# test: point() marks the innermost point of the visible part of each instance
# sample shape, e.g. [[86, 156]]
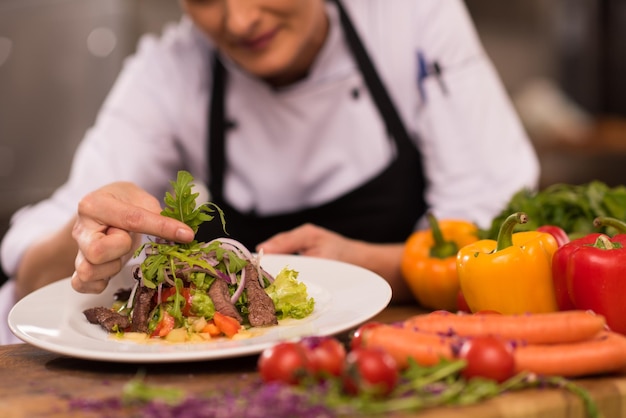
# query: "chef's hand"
[[310, 240], [108, 229], [315, 241]]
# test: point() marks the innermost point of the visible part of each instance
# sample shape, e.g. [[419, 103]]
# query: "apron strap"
[[217, 140], [393, 122], [386, 108]]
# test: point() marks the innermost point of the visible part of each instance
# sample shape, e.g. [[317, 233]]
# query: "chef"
[[322, 128]]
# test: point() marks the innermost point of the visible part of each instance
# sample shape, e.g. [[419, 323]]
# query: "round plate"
[[345, 296]]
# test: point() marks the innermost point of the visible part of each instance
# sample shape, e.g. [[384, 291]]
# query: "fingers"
[[133, 210], [109, 227], [93, 278], [306, 239], [99, 244]]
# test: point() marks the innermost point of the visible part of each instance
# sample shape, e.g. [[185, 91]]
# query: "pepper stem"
[[505, 235], [612, 222], [603, 242], [441, 248]]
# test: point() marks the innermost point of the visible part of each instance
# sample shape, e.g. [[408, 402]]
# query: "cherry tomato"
[[286, 362], [488, 357], [357, 336], [327, 355], [370, 370]]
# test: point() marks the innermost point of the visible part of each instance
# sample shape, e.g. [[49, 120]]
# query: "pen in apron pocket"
[[425, 70]]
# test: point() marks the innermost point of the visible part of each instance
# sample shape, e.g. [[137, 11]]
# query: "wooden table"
[[36, 383]]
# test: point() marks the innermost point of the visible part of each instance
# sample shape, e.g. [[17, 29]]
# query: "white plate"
[[345, 296]]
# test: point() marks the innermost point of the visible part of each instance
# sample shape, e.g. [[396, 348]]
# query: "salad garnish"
[[201, 287]]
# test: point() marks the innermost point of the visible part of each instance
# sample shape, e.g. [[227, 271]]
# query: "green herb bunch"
[[420, 388], [164, 259], [182, 204], [571, 207]]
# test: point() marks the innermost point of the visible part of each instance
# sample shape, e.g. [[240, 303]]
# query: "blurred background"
[[562, 62]]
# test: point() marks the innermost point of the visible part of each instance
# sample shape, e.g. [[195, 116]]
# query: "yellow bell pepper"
[[512, 275], [429, 261]]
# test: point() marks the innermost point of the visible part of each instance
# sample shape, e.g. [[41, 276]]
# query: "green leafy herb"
[[420, 388], [290, 296], [571, 207], [182, 204], [165, 258]]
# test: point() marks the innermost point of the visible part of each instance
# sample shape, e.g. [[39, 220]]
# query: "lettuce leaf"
[[290, 296]]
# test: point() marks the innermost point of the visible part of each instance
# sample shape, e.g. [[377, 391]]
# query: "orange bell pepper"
[[429, 261]]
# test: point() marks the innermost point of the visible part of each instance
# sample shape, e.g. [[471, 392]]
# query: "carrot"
[[536, 328], [606, 353], [426, 349]]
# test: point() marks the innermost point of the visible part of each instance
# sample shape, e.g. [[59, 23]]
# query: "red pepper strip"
[[589, 273]]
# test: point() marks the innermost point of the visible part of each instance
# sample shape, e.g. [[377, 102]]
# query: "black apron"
[[383, 210]]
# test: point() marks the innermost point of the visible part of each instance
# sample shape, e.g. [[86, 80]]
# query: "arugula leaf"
[[182, 204], [165, 258]]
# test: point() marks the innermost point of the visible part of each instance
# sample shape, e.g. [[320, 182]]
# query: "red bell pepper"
[[590, 273], [558, 233]]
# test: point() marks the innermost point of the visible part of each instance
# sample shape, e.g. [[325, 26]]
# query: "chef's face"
[[276, 40]]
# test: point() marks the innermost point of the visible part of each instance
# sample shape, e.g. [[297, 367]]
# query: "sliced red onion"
[[159, 288], [239, 291], [168, 280], [131, 298], [238, 246], [232, 276]]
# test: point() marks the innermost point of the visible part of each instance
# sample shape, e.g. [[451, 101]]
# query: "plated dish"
[[52, 319]]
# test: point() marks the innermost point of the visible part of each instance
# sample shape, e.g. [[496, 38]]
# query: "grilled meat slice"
[[261, 309], [142, 306], [219, 294], [107, 318]]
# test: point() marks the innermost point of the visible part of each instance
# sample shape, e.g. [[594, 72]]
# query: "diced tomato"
[[185, 292], [166, 292], [227, 324], [211, 329], [165, 325]]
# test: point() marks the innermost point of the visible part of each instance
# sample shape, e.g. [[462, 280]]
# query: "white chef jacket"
[[320, 141]]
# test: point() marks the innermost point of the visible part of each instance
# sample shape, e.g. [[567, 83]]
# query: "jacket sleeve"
[[476, 153], [136, 137]]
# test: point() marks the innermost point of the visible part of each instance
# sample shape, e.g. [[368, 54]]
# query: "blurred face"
[[276, 40]]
